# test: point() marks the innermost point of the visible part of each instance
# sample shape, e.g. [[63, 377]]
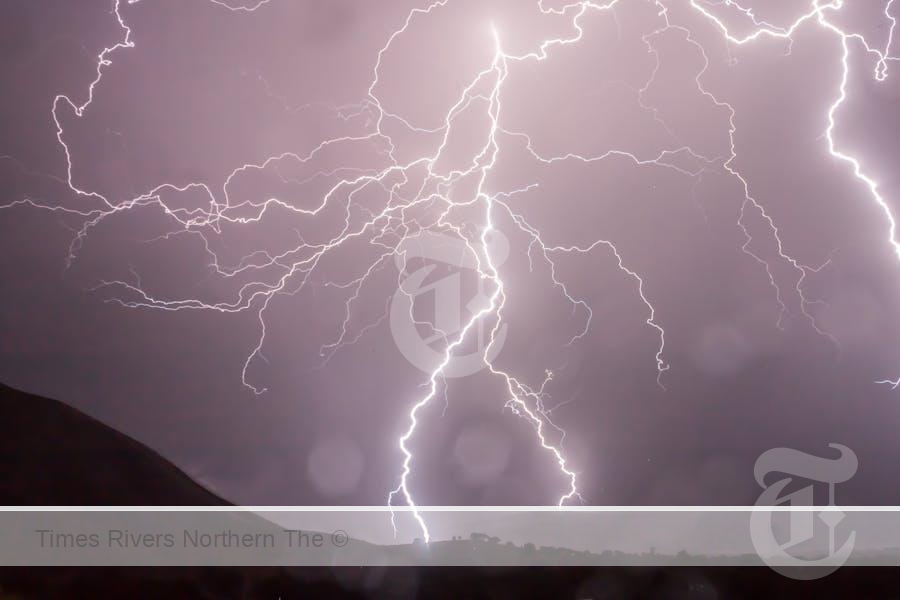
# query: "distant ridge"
[[53, 455]]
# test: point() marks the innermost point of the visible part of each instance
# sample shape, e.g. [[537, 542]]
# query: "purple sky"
[[206, 90]]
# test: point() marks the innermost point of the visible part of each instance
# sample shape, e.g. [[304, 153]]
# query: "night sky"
[[206, 90]]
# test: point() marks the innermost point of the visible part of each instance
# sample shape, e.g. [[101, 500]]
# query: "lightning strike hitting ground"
[[433, 208]]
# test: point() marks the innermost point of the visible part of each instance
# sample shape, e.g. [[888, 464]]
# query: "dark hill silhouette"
[[54, 455]]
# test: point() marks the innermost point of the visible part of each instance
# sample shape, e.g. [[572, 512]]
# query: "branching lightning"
[[419, 199]]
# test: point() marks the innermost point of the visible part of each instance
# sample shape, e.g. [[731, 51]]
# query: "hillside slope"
[[52, 454]]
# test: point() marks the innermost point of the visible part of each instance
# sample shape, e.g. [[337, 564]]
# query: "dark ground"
[[443, 582]]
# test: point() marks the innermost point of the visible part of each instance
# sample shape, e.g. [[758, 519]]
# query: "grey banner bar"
[[514, 537]]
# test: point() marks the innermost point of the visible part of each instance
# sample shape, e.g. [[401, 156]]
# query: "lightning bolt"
[[417, 197], [818, 14]]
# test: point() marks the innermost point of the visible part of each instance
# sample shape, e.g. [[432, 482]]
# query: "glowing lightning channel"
[[518, 392], [494, 307], [817, 13]]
